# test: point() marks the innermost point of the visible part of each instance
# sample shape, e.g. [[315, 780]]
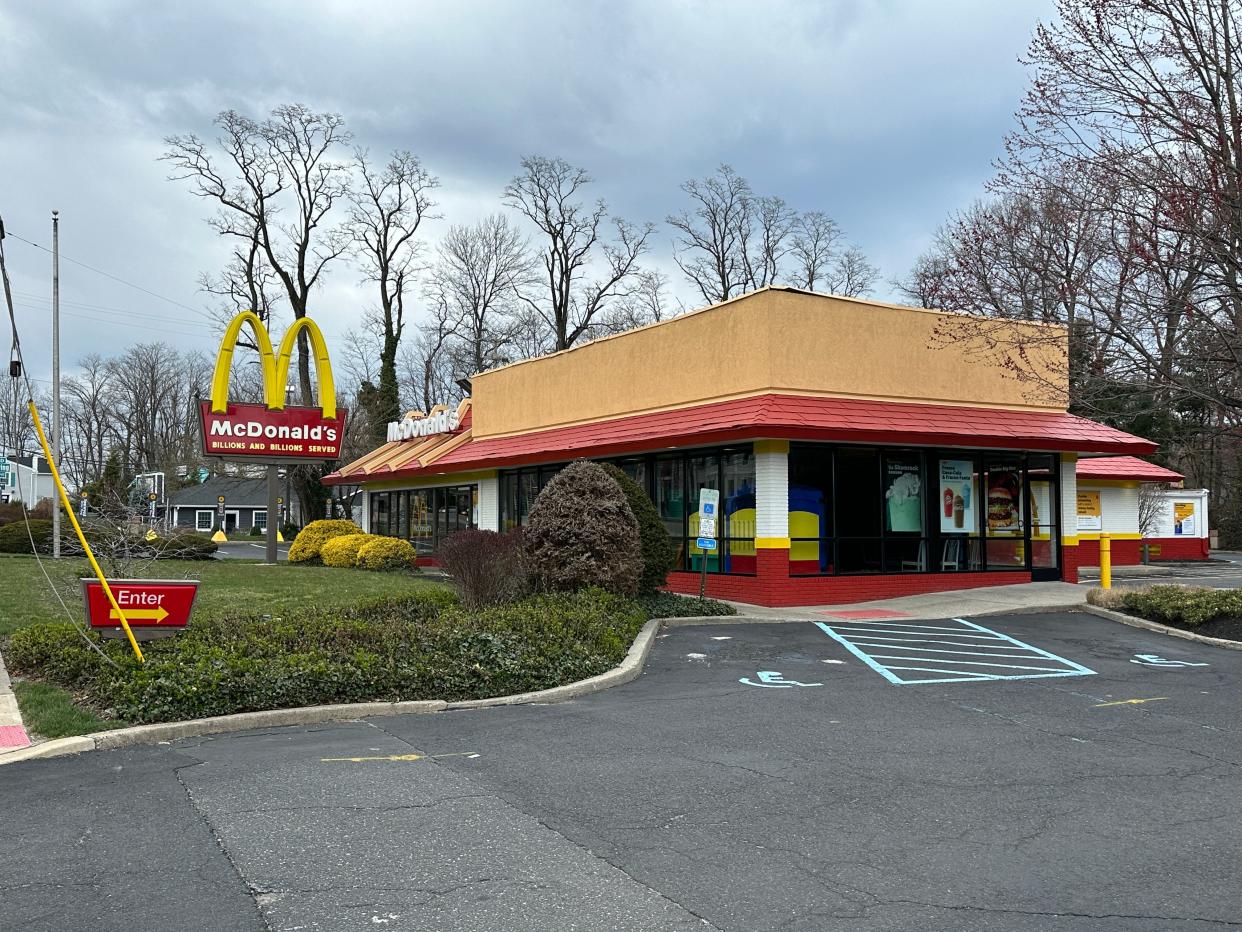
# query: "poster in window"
[[1004, 500], [1184, 518], [958, 497], [903, 497], [1089, 512]]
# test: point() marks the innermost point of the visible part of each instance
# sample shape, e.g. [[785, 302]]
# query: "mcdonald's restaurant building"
[[861, 450]]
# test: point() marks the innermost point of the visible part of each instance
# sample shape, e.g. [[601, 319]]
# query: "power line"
[[115, 278]]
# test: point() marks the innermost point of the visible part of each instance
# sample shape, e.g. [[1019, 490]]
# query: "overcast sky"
[[887, 114]]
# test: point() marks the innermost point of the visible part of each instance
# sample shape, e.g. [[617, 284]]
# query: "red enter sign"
[[147, 603]]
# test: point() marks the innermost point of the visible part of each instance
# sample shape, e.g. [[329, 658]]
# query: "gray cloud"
[[885, 113]]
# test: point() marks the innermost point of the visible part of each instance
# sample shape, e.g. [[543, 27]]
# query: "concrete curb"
[[628, 669], [1134, 622], [691, 620]]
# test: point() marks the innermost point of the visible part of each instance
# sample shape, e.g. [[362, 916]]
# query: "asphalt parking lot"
[[754, 777]]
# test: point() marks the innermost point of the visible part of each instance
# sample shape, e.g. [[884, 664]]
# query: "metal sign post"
[[151, 507], [709, 508]]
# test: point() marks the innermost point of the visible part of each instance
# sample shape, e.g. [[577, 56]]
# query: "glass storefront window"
[[916, 511], [1004, 522]]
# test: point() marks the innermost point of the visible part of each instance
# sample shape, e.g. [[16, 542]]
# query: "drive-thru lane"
[[821, 796]]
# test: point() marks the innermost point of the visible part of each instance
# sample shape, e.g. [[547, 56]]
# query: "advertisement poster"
[[1184, 518], [1089, 514], [959, 495], [902, 496], [1004, 500]]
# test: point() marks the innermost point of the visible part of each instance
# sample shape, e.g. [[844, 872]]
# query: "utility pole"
[[55, 374]]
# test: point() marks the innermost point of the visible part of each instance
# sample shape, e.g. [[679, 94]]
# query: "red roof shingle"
[[794, 417]]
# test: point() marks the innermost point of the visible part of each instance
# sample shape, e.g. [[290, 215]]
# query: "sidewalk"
[[12, 733], [990, 600]]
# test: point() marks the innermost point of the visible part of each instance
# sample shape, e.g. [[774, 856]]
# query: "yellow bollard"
[[1106, 562]]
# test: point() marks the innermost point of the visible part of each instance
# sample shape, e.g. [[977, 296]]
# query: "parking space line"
[[1008, 658]]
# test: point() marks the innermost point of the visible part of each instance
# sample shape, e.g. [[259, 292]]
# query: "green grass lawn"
[[228, 586], [49, 712]]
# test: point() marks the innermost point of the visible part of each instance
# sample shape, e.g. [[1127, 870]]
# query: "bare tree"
[[768, 242], [647, 304], [247, 283], [547, 193], [851, 274], [814, 247], [275, 181], [389, 206], [475, 286], [712, 236]]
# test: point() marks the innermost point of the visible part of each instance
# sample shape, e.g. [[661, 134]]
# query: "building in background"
[[861, 450], [26, 479], [197, 507], [1137, 502]]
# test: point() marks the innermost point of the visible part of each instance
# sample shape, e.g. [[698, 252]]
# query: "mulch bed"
[[1228, 628]]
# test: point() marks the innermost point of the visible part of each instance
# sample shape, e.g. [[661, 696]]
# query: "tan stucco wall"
[[772, 340]]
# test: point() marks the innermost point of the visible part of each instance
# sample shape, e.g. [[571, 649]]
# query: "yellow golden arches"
[[275, 366], [323, 366], [224, 360]]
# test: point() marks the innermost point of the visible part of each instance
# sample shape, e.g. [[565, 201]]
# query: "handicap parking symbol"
[[773, 679], [1154, 660]]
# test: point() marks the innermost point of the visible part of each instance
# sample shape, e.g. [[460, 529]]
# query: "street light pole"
[[55, 374]]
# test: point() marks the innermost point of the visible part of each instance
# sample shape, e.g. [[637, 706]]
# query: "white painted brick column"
[[1069, 496], [489, 503], [772, 493]]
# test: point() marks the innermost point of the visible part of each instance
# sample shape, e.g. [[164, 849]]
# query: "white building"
[[26, 479]]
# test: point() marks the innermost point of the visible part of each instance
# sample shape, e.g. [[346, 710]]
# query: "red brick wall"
[[1071, 559], [1130, 552], [773, 586]]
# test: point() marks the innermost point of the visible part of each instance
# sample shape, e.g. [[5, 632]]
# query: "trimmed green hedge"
[[1179, 605], [421, 646], [668, 605]]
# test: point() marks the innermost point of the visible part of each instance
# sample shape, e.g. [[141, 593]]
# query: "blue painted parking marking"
[[950, 650]]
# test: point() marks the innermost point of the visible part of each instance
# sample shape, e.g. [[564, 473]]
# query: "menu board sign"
[[959, 496], [1184, 518], [1089, 512], [1004, 500], [903, 501]]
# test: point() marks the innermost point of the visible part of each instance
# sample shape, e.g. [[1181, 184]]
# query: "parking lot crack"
[[1059, 914]]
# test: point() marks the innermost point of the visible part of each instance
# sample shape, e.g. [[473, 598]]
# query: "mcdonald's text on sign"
[[288, 433], [147, 603], [272, 431]]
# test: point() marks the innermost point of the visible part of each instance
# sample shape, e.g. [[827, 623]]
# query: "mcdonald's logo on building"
[[273, 430]]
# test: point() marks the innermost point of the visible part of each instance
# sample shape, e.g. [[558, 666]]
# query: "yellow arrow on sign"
[[142, 614]]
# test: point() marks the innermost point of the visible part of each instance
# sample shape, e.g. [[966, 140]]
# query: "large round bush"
[[343, 550], [659, 552], [310, 540], [581, 533], [386, 553]]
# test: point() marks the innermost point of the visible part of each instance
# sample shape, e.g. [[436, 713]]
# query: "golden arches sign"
[[273, 430], [275, 367]]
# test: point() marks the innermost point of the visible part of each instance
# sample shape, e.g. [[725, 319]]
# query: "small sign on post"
[[153, 607], [151, 505], [82, 507], [709, 508]]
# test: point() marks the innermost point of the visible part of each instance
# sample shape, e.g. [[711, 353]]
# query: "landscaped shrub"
[[343, 551], [310, 539], [489, 568], [10, 512], [659, 552], [420, 646], [1182, 605], [14, 538], [581, 533], [184, 545], [386, 553], [668, 605]]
